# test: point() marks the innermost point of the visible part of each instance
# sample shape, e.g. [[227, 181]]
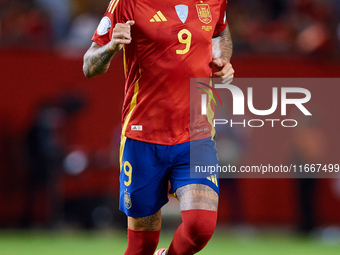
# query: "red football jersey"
[[171, 43]]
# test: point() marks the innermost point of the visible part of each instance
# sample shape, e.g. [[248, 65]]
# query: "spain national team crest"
[[127, 199], [204, 14]]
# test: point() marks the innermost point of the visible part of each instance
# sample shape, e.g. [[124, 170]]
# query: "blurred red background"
[[30, 77], [41, 48]]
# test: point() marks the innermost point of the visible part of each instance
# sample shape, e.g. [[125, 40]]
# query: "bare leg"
[[149, 223]]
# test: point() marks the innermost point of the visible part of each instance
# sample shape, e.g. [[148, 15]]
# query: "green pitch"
[[99, 243]]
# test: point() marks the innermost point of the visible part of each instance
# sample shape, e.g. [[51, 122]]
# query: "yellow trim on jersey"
[[126, 122], [211, 114], [110, 5], [124, 62], [113, 6], [134, 98]]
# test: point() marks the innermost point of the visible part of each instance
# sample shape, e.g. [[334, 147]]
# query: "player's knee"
[[199, 226]]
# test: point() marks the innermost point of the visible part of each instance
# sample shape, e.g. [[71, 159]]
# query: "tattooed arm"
[[222, 51], [97, 59], [223, 45]]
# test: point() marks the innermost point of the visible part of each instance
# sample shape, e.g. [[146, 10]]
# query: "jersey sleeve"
[[222, 21], [118, 11]]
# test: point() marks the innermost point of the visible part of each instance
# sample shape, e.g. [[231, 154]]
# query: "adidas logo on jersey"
[[136, 127], [158, 17]]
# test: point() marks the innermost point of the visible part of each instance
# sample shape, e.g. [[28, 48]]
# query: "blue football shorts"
[[147, 169]]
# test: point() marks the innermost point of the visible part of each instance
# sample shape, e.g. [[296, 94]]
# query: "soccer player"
[[165, 44]]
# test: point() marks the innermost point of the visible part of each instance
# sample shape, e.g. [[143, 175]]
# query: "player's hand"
[[121, 34], [226, 70]]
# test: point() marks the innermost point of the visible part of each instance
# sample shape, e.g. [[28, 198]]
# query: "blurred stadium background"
[[59, 133]]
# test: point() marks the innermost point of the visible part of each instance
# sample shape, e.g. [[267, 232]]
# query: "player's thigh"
[[148, 223], [143, 179], [197, 196], [196, 190]]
